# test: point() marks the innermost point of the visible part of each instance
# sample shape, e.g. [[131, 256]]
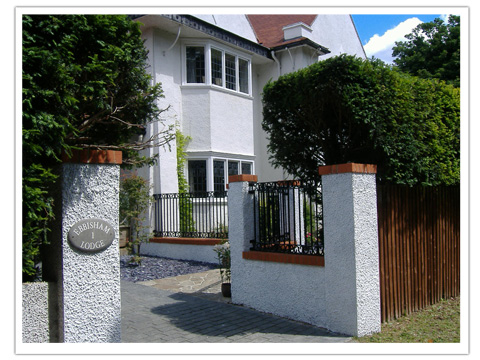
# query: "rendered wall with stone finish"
[[343, 293], [88, 306], [35, 324], [351, 253]]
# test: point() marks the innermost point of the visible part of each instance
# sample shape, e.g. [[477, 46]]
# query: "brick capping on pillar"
[[347, 168], [90, 156], [241, 178]]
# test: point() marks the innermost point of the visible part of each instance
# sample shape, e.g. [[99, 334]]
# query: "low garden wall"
[[35, 322], [339, 291], [287, 289], [182, 249]]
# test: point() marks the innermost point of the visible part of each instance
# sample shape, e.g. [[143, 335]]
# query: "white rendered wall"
[[288, 290], [202, 253], [166, 70], [344, 295], [217, 121], [338, 34], [35, 322], [90, 282], [235, 23], [351, 253]]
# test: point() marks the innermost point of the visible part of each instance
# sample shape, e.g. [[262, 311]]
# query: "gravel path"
[[158, 268]]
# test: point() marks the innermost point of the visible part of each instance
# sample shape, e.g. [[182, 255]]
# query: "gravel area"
[[158, 268]]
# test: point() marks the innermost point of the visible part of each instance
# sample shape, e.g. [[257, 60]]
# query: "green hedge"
[[346, 109]]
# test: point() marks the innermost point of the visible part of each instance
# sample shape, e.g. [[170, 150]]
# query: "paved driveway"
[[153, 315]]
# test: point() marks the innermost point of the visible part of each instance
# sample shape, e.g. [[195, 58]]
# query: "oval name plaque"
[[91, 235]]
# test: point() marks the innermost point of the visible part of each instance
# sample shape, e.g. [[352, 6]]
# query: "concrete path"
[[191, 309]]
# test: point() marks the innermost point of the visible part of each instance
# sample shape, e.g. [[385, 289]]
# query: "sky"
[[378, 32]]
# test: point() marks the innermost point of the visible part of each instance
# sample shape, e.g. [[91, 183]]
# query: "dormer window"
[[211, 65]]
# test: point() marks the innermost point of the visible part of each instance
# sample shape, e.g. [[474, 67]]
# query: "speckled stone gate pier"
[[84, 264]]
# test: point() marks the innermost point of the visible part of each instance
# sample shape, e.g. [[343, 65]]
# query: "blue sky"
[[378, 32]]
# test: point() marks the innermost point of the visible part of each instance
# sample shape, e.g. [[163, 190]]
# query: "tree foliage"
[[432, 50], [346, 109], [85, 85], [134, 201]]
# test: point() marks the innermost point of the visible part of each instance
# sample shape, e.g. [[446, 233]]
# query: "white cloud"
[[381, 46]]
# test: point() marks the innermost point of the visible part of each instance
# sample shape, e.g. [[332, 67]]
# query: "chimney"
[[296, 30]]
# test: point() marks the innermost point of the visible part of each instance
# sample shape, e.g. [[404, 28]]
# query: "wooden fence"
[[419, 243]]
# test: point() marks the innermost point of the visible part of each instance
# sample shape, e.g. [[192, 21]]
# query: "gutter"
[[302, 42]]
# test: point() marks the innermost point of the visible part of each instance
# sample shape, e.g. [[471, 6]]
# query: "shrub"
[[346, 109]]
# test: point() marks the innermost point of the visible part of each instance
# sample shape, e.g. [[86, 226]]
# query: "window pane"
[[217, 67], [243, 75], [195, 64], [232, 168], [197, 175], [246, 168], [218, 176], [230, 72]]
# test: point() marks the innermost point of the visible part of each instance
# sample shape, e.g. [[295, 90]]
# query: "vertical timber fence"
[[419, 243]]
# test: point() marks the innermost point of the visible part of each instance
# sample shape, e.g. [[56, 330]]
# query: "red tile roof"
[[268, 28]]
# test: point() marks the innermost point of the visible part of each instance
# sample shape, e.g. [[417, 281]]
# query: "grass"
[[439, 323]]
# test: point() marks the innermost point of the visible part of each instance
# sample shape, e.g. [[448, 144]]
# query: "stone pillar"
[[84, 259], [241, 225], [352, 283]]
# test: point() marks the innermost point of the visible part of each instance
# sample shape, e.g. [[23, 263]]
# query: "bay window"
[[197, 176], [211, 65], [230, 72], [211, 174]]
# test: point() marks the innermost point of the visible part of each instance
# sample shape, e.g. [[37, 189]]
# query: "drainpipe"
[[176, 39], [278, 63], [291, 57]]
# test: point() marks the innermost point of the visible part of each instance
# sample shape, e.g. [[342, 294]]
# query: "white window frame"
[[210, 168], [208, 45]]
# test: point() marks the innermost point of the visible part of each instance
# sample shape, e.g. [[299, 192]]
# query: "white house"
[[213, 68]]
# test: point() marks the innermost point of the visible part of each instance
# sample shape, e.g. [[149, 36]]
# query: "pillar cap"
[[347, 168], [243, 177], [90, 156]]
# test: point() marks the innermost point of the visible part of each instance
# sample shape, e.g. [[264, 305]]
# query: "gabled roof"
[[269, 28]]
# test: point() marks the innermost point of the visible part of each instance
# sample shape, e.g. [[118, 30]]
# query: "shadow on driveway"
[[207, 318]]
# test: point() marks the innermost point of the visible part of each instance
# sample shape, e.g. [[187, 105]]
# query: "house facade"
[[212, 69]]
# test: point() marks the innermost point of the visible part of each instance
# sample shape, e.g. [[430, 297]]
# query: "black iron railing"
[[191, 215], [288, 217]]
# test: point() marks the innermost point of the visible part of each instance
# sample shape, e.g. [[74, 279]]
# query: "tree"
[[346, 109], [85, 85], [432, 50], [134, 201]]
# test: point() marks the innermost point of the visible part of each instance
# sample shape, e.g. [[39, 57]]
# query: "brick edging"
[[348, 168], [90, 156], [185, 241], [314, 260]]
